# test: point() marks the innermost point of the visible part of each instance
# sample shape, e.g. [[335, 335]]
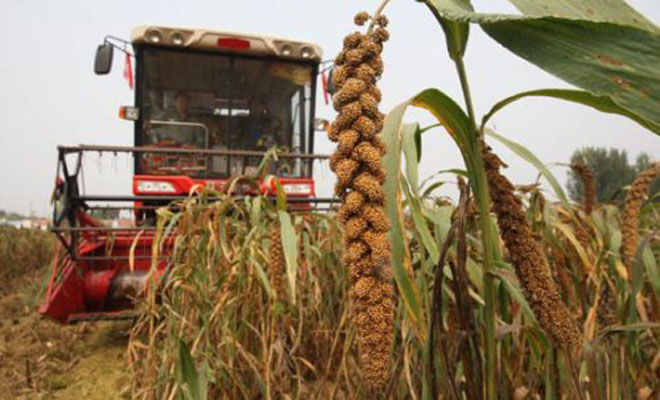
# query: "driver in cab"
[[182, 134]]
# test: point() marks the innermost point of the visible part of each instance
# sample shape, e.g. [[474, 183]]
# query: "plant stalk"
[[483, 202]]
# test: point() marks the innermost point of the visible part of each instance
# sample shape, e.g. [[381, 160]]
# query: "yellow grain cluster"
[[589, 183], [526, 255], [634, 200], [360, 177], [277, 262]]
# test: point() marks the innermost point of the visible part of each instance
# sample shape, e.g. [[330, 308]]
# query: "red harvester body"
[[208, 107]]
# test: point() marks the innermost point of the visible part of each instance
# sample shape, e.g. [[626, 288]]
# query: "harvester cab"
[[209, 106]]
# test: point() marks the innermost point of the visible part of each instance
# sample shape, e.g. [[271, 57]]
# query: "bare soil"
[[40, 358]]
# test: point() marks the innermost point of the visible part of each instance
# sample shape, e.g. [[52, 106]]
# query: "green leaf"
[[616, 11], [528, 156], [401, 263], [420, 222], [648, 258], [600, 103], [411, 153], [449, 114], [456, 32], [189, 374], [288, 236], [639, 326], [607, 59], [280, 196], [411, 188], [604, 58]]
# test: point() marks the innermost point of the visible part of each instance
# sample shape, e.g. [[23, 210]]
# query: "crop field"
[[259, 304], [505, 290], [256, 306]]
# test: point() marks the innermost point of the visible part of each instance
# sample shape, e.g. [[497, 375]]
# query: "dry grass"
[[23, 251]]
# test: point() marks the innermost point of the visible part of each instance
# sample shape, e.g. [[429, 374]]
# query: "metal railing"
[[71, 219]]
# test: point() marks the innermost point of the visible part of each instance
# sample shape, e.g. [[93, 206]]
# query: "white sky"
[[49, 94]]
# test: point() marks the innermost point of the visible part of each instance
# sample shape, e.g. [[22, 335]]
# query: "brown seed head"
[[630, 220], [347, 141], [340, 59], [350, 113], [375, 92], [376, 217], [359, 178], [370, 187], [374, 314], [345, 169], [589, 184], [277, 262], [369, 105], [353, 202], [370, 49], [354, 227], [339, 76], [350, 92], [356, 250], [365, 73], [379, 246], [526, 255], [367, 127], [377, 64], [361, 18], [355, 56], [381, 35], [352, 40]]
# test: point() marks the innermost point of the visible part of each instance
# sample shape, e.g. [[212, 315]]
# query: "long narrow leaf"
[[401, 263], [600, 103], [289, 243], [528, 156]]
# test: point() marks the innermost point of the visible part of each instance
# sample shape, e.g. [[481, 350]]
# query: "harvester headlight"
[[306, 52], [155, 187], [154, 36], [297, 188], [286, 50], [177, 38]]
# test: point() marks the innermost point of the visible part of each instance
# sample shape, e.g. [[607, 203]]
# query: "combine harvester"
[[208, 105]]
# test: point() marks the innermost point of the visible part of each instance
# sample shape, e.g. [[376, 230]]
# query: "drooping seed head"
[[361, 18]]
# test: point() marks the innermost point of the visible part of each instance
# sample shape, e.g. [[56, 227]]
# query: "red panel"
[[234, 43], [184, 184], [65, 291]]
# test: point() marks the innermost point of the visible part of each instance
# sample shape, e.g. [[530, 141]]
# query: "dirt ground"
[[42, 359]]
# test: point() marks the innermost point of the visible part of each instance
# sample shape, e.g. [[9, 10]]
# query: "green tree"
[[612, 172]]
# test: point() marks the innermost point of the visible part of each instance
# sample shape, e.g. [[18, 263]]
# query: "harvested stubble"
[[360, 176], [634, 200], [526, 255]]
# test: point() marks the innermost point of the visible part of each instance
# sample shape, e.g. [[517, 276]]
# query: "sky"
[[50, 96]]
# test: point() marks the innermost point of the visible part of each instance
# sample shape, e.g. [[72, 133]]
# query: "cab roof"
[[223, 41]]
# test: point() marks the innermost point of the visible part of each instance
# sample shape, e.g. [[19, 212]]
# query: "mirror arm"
[[109, 39]]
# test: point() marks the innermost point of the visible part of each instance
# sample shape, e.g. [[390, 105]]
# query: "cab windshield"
[[222, 102]]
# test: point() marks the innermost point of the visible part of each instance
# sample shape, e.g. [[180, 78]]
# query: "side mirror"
[[330, 87], [103, 59]]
